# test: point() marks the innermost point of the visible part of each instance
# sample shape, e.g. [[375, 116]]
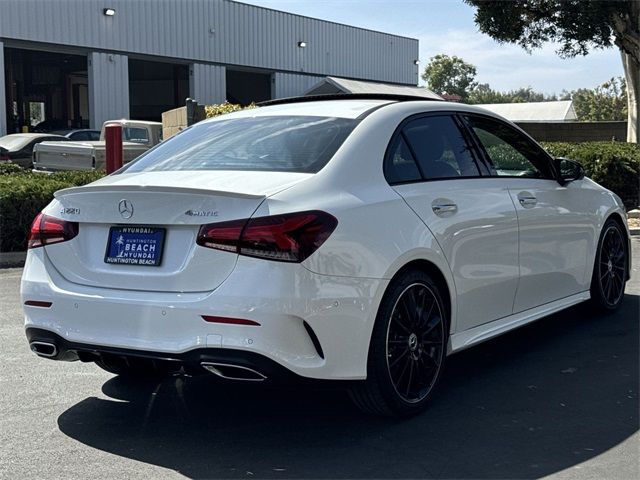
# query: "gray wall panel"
[[3, 117], [108, 87], [292, 85], [207, 83], [216, 31]]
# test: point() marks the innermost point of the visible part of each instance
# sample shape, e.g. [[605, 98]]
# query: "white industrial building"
[[81, 62], [555, 111]]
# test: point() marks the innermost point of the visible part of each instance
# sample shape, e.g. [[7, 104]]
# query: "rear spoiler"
[[151, 188]]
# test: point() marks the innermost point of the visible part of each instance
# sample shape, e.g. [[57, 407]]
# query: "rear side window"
[[279, 143], [430, 148], [400, 166], [439, 148]]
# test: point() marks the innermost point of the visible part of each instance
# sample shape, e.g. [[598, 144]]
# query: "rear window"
[[281, 143], [133, 134]]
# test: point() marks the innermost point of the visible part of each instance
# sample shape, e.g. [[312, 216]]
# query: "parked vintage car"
[[137, 138], [359, 239], [18, 147]]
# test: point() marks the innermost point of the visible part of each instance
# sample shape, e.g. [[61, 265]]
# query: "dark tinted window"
[[279, 143], [85, 135], [400, 165], [77, 136], [439, 148], [511, 153]]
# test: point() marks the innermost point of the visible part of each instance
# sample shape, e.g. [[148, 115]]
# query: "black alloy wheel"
[[408, 348], [415, 347], [610, 269]]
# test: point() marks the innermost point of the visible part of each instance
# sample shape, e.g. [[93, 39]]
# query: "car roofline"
[[347, 96]]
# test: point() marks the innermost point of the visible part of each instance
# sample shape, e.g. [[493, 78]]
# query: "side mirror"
[[568, 170]]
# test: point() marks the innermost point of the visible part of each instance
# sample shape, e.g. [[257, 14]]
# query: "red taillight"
[[291, 237], [46, 230]]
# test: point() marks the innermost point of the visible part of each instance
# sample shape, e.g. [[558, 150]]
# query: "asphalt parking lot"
[[557, 398]]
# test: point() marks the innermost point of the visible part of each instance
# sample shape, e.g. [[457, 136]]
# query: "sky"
[[447, 26]]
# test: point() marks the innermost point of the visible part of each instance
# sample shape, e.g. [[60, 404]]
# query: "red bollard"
[[113, 138]]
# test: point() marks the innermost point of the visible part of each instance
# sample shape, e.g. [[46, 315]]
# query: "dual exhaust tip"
[[234, 372]]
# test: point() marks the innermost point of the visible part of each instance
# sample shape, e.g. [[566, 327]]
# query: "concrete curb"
[[12, 259], [634, 231]]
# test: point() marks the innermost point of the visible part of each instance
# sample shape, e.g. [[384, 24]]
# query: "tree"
[[607, 102], [450, 75], [578, 26]]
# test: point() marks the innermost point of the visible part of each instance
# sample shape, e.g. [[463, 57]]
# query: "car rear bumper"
[[311, 325], [258, 367]]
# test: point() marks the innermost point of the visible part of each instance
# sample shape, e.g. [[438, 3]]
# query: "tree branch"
[[627, 37]]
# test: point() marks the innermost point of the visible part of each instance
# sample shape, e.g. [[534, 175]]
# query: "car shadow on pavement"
[[533, 402]]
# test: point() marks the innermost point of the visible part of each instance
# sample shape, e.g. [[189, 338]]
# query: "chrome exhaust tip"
[[44, 349], [233, 372]]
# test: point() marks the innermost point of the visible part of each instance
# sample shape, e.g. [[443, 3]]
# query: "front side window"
[[511, 153], [279, 143], [439, 148]]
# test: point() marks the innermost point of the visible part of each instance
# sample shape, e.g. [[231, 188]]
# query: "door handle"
[[527, 199], [442, 208]]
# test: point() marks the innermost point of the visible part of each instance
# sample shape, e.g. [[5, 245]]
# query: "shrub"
[[23, 194], [222, 108], [614, 165], [8, 167]]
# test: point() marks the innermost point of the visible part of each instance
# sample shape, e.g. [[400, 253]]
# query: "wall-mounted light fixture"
[[302, 44], [109, 12], [416, 62]]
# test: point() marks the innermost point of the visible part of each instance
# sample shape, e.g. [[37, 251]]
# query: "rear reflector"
[[46, 230], [38, 303], [291, 237], [232, 321]]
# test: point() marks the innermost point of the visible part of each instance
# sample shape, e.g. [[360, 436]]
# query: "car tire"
[[408, 348], [610, 268], [136, 368]]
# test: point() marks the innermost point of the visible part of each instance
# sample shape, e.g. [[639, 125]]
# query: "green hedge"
[[23, 194], [614, 165]]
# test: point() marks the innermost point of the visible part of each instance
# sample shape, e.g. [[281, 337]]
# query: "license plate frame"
[[137, 237]]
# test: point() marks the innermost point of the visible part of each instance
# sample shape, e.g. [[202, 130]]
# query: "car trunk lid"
[[176, 202]]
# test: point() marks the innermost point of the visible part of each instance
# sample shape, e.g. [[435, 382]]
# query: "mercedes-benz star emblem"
[[125, 207]]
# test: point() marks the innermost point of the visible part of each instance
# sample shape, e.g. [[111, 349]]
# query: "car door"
[[556, 223], [433, 167]]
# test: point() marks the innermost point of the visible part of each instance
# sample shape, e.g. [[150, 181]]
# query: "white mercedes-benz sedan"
[[357, 239]]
